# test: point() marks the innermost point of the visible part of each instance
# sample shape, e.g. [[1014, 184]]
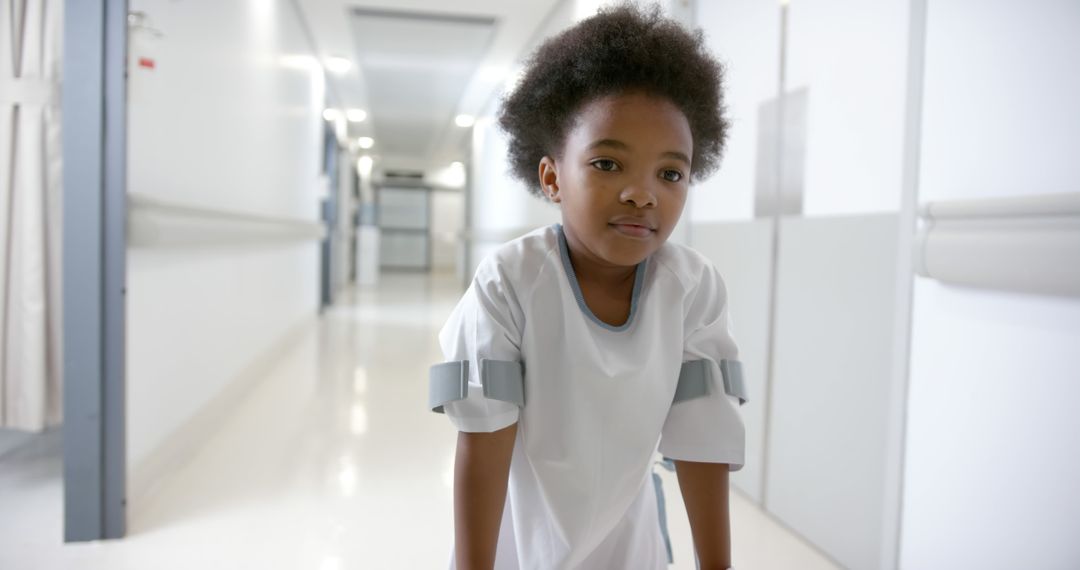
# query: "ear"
[[549, 179]]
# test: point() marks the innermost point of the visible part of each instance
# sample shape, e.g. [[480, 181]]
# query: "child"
[[578, 347]]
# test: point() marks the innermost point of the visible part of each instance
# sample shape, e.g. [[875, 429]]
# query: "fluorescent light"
[[338, 64], [356, 115], [363, 167], [464, 120], [331, 114], [365, 142]]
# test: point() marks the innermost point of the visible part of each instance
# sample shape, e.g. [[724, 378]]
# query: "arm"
[[705, 492], [481, 469]]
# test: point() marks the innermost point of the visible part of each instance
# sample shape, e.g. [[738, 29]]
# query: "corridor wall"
[[991, 467], [816, 93], [225, 103], [500, 208]]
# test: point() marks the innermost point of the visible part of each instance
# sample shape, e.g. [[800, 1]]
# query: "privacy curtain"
[[30, 190]]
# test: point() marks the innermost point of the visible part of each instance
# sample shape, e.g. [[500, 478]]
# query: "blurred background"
[[230, 231]]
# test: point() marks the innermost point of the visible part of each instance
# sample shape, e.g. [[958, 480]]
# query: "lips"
[[633, 226]]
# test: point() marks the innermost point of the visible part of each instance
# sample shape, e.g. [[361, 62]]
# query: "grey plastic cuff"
[[733, 379], [503, 380], [447, 382], [500, 379], [694, 380]]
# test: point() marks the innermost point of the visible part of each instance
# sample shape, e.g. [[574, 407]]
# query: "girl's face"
[[623, 176]]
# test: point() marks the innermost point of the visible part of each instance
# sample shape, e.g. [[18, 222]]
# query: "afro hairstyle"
[[623, 48]]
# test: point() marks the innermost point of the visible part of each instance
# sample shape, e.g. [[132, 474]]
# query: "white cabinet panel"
[[742, 251], [828, 447]]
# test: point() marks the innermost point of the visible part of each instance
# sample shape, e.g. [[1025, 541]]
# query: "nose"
[[639, 195]]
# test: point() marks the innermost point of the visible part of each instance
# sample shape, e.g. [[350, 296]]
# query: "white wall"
[[852, 59], [828, 449], [447, 223], [991, 461], [500, 207], [745, 36], [220, 123]]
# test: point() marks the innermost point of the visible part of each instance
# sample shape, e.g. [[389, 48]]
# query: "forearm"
[[705, 492], [481, 470]]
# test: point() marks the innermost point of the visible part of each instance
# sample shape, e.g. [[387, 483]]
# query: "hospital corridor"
[[277, 275]]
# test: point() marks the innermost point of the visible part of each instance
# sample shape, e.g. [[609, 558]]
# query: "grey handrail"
[[153, 222], [1027, 244]]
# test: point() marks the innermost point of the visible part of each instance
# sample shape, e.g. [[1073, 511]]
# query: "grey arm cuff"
[[733, 379], [694, 380], [447, 382], [503, 380], [500, 379]]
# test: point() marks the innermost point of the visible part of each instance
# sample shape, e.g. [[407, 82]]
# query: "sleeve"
[[480, 387], [704, 423]]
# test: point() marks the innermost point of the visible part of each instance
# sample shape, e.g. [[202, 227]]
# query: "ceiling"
[[419, 63]]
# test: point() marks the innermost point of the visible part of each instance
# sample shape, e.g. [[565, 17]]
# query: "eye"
[[605, 164], [671, 175]]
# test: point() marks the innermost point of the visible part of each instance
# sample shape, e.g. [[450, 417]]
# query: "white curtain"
[[30, 190]]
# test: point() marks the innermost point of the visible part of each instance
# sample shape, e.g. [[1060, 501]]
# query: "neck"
[[591, 268]]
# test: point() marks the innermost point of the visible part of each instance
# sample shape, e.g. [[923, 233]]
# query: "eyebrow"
[[619, 145]]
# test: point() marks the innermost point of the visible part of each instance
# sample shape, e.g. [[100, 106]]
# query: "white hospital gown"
[[592, 401]]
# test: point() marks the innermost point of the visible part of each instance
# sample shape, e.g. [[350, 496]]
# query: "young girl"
[[579, 347]]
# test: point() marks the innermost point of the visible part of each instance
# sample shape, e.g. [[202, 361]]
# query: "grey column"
[[94, 246]]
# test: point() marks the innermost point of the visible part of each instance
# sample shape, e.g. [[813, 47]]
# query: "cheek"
[[673, 206], [677, 200], [591, 192]]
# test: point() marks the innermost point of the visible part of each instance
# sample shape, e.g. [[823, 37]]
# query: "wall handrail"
[[1066, 204], [1027, 244], [153, 222]]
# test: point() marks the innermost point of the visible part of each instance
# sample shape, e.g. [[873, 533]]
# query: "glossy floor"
[[331, 463]]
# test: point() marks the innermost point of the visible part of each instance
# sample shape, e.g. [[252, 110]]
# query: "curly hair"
[[622, 48]]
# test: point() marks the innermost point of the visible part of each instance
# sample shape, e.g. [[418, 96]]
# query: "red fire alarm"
[[146, 62]]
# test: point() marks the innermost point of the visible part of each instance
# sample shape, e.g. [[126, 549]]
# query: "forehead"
[[640, 120]]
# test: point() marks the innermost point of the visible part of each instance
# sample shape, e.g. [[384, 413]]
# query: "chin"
[[629, 254]]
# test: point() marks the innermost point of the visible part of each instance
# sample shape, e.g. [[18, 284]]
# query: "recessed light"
[[464, 120], [356, 115], [331, 114], [365, 142]]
